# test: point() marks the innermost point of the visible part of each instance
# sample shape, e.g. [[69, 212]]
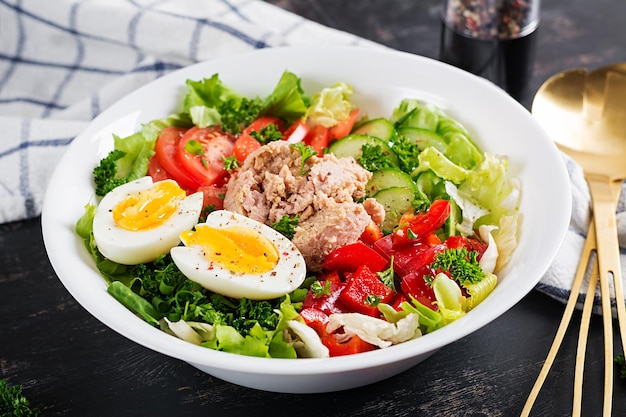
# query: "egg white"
[[285, 277], [135, 247]]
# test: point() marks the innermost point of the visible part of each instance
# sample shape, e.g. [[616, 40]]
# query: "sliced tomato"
[[205, 164], [244, 146], [156, 170], [318, 138], [213, 196], [344, 127], [165, 152], [297, 131], [262, 122]]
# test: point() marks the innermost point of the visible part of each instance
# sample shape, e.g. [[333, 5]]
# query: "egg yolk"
[[150, 208], [237, 248]]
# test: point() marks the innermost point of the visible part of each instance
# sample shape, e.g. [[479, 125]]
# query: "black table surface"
[[72, 365]]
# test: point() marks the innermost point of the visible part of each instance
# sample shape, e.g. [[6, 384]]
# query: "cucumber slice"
[[387, 178], [380, 128], [396, 200], [424, 138], [352, 145]]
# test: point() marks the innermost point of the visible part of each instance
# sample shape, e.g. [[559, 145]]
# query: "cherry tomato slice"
[[213, 196], [156, 170], [165, 152], [297, 132], [244, 146], [344, 127], [205, 163], [319, 138]]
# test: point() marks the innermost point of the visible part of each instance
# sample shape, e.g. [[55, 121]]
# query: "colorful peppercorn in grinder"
[[494, 39]]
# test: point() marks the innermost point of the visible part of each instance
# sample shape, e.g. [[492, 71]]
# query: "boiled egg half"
[[140, 220], [238, 257]]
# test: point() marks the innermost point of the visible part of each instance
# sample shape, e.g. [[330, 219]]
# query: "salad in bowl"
[[294, 226]]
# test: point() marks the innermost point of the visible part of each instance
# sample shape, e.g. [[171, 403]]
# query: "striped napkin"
[[63, 62]]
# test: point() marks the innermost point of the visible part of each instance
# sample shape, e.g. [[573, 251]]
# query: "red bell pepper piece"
[[408, 257], [371, 234], [469, 243], [423, 224], [415, 285], [317, 320], [358, 293], [328, 302], [350, 347], [420, 260], [350, 257]]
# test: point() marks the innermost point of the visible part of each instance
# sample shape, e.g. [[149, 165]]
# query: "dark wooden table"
[[71, 365]]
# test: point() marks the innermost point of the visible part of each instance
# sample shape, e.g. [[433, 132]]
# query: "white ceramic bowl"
[[381, 78]]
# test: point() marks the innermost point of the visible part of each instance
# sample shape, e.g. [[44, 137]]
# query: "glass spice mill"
[[494, 39]]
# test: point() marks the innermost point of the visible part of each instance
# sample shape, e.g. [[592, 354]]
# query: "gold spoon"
[[585, 114]]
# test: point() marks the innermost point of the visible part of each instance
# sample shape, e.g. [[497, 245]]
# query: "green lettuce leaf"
[[431, 159], [287, 101], [331, 105], [490, 187]]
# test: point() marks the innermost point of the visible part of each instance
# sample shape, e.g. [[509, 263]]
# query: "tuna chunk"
[[337, 225], [273, 183]]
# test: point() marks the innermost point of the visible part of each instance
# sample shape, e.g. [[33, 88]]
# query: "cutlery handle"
[[609, 266]]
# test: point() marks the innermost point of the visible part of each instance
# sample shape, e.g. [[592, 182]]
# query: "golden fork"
[[588, 249]]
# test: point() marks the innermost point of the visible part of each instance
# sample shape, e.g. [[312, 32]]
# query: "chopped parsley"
[[287, 226], [407, 152], [230, 163], [318, 289], [388, 276], [236, 114], [461, 263], [372, 300], [194, 147], [373, 158], [266, 134]]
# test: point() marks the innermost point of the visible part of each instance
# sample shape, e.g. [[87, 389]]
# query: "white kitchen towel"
[[63, 62]]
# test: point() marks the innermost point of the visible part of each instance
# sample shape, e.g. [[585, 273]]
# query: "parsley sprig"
[[266, 134], [287, 226], [461, 263], [306, 152]]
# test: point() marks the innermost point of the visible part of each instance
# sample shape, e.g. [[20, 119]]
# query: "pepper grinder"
[[494, 39]]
